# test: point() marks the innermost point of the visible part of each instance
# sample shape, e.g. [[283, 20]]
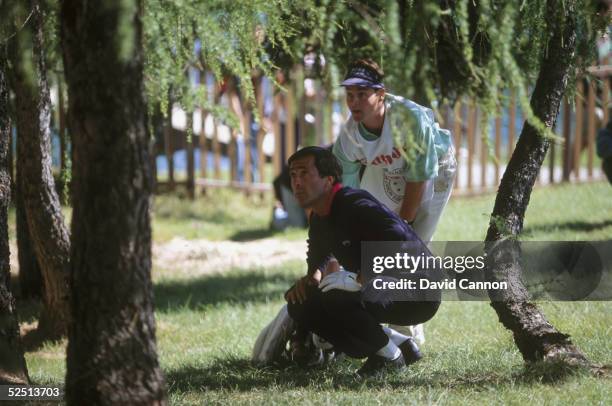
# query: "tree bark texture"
[[112, 356], [12, 363], [31, 283], [534, 336], [48, 231]]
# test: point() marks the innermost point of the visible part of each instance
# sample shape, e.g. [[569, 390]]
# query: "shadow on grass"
[[569, 226], [241, 375], [33, 339], [237, 287], [261, 233], [215, 217]]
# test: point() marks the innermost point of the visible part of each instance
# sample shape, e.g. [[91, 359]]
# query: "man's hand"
[[342, 280], [298, 293]]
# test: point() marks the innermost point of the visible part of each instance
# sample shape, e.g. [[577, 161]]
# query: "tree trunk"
[[112, 356], [12, 363], [45, 221], [534, 336], [30, 278]]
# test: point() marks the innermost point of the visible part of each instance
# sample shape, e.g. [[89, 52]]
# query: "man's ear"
[[380, 93]]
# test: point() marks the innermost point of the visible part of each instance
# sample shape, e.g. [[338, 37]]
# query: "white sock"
[[389, 351], [395, 336]]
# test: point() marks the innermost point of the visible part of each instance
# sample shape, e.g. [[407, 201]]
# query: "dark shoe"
[[375, 364], [410, 351]]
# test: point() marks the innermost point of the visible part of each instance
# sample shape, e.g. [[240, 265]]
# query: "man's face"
[[363, 102], [308, 186]]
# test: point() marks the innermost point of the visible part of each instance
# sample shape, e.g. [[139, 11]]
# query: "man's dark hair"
[[325, 162]]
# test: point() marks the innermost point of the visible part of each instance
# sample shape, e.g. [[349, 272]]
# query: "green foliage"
[[430, 50], [16, 36], [443, 50], [230, 34]]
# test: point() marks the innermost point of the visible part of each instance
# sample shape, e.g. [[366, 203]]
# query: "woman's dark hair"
[[325, 162], [370, 65]]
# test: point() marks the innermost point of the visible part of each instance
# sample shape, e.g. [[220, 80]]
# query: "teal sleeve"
[[422, 163], [350, 169]]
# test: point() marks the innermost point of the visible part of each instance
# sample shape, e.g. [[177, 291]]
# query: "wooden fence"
[[217, 156]]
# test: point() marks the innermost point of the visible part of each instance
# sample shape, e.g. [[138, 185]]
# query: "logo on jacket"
[[387, 159], [394, 184]]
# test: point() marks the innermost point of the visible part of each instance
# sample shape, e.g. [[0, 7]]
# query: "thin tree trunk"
[[45, 221], [12, 363], [30, 278], [534, 336], [112, 355]]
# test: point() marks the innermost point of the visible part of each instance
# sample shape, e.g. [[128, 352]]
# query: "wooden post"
[[458, 138], [168, 144], [189, 151], [578, 128], [567, 151], [242, 110], [551, 156], [203, 146], [471, 128], [320, 105], [261, 158], [605, 98], [246, 137], [484, 150], [231, 153], [237, 108], [216, 146], [591, 128], [290, 125], [300, 93], [511, 124], [277, 135], [498, 131], [446, 117]]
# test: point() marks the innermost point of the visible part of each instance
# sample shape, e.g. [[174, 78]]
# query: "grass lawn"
[[221, 215], [206, 325]]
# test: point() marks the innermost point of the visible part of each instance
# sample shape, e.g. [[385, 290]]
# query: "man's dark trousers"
[[351, 320]]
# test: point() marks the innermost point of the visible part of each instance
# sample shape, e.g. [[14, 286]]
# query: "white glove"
[[342, 280]]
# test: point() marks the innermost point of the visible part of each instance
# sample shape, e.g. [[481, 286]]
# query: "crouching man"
[[337, 307]]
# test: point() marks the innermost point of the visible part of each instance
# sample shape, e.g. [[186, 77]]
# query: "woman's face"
[[364, 102]]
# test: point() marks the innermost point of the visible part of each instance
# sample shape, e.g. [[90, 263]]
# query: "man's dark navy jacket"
[[355, 216]]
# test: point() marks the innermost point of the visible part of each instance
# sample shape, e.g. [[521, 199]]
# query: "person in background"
[[604, 149], [286, 212]]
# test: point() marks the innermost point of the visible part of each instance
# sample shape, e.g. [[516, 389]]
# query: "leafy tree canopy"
[[430, 50]]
